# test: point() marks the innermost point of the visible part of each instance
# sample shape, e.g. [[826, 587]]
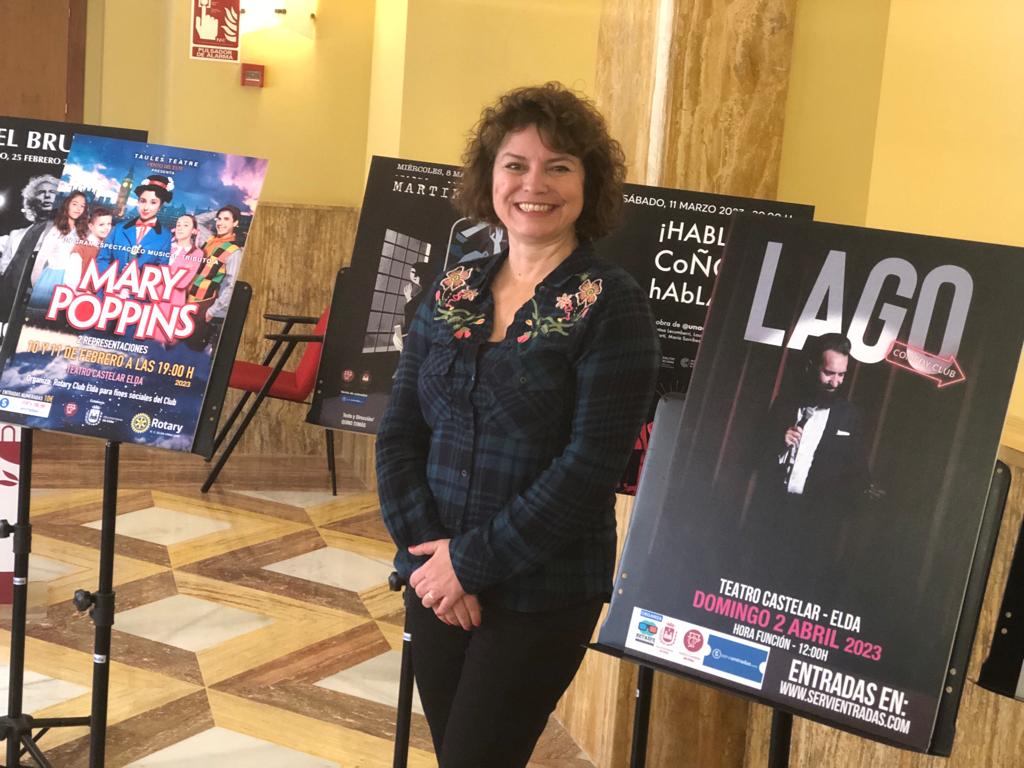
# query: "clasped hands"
[[438, 587]]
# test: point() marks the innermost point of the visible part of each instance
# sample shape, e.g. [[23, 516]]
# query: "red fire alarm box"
[[252, 74]]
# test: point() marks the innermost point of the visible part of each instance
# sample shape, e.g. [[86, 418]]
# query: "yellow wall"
[[394, 77], [832, 107], [949, 154], [387, 81], [461, 54], [309, 120]]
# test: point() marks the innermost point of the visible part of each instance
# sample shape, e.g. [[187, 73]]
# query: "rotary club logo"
[[141, 422]]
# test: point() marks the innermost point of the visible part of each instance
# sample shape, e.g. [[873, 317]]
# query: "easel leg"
[[403, 719], [778, 749], [641, 716], [331, 466], [103, 610], [19, 604]]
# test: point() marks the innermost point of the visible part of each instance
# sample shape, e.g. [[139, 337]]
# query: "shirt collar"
[[578, 261]]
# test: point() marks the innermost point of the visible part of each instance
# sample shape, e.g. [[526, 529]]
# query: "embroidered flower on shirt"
[[589, 291], [451, 292], [574, 307], [456, 278]]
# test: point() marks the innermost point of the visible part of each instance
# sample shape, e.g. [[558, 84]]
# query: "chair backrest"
[[305, 371]]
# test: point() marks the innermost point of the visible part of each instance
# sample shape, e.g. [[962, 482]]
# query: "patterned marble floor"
[[253, 628]]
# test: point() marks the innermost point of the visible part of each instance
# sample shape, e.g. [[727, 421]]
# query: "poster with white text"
[[124, 290], [807, 534]]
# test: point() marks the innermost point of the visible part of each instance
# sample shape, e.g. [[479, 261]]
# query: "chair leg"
[[223, 458], [232, 443], [330, 462], [228, 424]]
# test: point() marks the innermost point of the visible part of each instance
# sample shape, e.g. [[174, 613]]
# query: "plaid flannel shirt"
[[516, 461]]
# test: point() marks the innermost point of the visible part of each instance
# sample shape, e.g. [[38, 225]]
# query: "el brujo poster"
[[827, 574], [121, 293]]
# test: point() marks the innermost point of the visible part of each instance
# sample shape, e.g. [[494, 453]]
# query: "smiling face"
[[149, 204], [537, 192], [183, 229], [76, 207], [100, 226], [225, 223]]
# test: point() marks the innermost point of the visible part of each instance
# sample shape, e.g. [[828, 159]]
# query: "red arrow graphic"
[[942, 370]]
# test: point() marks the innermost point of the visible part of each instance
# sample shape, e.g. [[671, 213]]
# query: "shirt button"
[[522, 379], [464, 473]]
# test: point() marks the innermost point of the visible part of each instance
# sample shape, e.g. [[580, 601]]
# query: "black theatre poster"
[[32, 155], [671, 241], [807, 534], [408, 234]]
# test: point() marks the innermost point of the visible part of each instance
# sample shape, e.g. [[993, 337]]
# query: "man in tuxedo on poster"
[[813, 480], [816, 456]]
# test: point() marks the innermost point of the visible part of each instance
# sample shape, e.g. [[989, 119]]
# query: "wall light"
[[298, 16]]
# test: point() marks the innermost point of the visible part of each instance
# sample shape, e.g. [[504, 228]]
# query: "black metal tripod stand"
[[17, 727]]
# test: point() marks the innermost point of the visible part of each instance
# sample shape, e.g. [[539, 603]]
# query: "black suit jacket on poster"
[[839, 472]]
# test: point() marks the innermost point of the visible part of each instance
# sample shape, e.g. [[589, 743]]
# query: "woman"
[[522, 386], [185, 254], [54, 264]]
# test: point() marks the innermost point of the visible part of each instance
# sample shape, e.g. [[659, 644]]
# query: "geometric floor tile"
[[293, 498], [375, 679], [41, 568], [40, 691], [335, 567], [188, 622], [164, 526], [221, 747], [216, 649]]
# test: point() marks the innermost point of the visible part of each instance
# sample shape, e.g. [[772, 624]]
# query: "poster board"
[[671, 242], [32, 154], [116, 324], [831, 583], [408, 234]]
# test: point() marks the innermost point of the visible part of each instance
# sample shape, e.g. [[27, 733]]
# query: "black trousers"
[[487, 693]]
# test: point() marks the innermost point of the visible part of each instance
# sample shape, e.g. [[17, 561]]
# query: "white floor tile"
[[221, 747], [302, 499], [375, 679], [164, 526], [42, 568], [337, 568], [40, 691], [188, 622]]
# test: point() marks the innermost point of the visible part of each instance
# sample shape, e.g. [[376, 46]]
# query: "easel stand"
[[17, 727], [403, 719], [641, 716], [778, 748]]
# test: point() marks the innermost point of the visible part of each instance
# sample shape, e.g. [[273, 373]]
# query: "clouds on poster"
[[203, 181]]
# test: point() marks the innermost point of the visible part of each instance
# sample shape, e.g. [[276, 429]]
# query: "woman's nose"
[[535, 180]]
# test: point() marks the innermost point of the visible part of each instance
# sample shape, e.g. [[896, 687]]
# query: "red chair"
[[269, 379]]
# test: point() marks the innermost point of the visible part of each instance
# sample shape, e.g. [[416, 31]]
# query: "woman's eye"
[[561, 169]]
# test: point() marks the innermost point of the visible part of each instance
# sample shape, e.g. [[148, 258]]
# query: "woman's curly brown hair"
[[567, 123]]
